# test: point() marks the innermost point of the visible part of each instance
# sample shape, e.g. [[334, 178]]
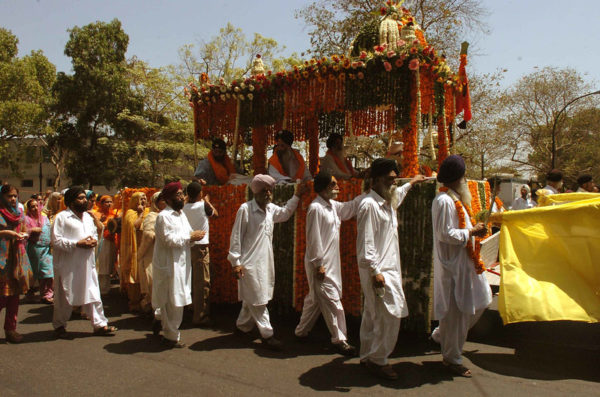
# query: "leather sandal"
[[106, 330], [458, 369]]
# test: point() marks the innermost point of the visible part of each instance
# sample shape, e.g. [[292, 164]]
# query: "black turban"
[[219, 144], [332, 139], [322, 180], [452, 169], [555, 176], [286, 136], [381, 167], [72, 193], [583, 179]]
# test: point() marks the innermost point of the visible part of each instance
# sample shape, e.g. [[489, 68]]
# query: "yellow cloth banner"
[[563, 198], [550, 261]]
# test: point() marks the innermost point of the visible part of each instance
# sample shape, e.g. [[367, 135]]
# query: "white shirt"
[[196, 216], [251, 246], [172, 260], [75, 267], [378, 250], [551, 189], [323, 221], [522, 204], [454, 272]]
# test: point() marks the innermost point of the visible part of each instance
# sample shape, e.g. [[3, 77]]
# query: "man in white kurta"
[[322, 262], [524, 201], [554, 181], [74, 237], [378, 255], [172, 264], [460, 294], [251, 255]]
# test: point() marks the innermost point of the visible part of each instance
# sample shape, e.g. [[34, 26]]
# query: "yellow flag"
[[550, 260]]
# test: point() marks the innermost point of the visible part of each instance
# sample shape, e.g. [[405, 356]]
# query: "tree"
[[25, 97], [529, 109], [229, 55], [158, 144], [90, 100], [334, 24]]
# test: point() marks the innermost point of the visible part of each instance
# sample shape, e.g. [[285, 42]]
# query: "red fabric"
[[463, 97], [344, 166], [222, 171], [11, 303], [274, 161]]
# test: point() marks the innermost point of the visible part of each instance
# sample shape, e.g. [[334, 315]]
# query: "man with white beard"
[[378, 255], [461, 292], [251, 255], [322, 262]]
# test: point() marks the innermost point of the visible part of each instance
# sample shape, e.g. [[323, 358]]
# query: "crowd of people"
[[71, 245]]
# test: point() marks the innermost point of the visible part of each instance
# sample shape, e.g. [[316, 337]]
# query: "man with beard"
[[460, 293], [554, 181], [251, 255], [172, 264], [322, 262], [523, 202], [217, 168], [74, 237], [585, 184], [286, 165], [334, 162], [378, 255]]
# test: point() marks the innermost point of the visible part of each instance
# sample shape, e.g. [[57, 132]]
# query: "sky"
[[525, 35]]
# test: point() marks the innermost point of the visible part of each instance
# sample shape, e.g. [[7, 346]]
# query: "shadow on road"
[[148, 344], [38, 315], [338, 375], [48, 336], [533, 363]]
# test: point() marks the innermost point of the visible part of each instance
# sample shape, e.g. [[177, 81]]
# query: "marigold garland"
[[410, 159], [474, 253]]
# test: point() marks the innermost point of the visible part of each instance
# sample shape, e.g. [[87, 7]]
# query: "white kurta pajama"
[[460, 294], [76, 279], [323, 220], [378, 252], [251, 246], [171, 270]]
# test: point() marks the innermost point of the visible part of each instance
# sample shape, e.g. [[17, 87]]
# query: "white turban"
[[260, 182], [526, 187]]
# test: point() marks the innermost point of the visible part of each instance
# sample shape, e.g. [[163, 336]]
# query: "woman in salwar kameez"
[[38, 249], [15, 270]]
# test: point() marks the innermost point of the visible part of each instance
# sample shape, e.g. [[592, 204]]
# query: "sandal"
[[458, 369], [106, 330]]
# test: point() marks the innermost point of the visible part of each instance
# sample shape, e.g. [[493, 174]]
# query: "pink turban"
[[260, 182], [170, 190]]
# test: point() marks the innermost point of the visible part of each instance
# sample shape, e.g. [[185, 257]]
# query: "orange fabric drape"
[[344, 165], [274, 161], [128, 249], [222, 170]]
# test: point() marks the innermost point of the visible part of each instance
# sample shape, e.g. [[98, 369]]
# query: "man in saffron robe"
[[286, 165], [460, 294], [217, 168], [131, 235], [334, 162]]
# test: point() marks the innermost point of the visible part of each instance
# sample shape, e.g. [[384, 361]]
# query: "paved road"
[[216, 363]]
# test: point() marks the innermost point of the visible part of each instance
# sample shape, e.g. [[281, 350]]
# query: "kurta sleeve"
[[168, 233], [58, 238], [401, 192], [367, 253], [237, 235], [348, 209], [445, 224], [282, 214], [314, 246]]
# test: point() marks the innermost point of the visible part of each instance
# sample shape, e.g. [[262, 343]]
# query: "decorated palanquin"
[[392, 83]]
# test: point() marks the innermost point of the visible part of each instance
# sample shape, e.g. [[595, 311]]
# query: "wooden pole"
[[236, 133]]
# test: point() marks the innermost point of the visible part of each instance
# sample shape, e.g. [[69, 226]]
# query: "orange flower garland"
[[475, 201], [410, 159], [474, 253]]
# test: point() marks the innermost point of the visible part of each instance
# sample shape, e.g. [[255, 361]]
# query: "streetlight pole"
[[556, 120]]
